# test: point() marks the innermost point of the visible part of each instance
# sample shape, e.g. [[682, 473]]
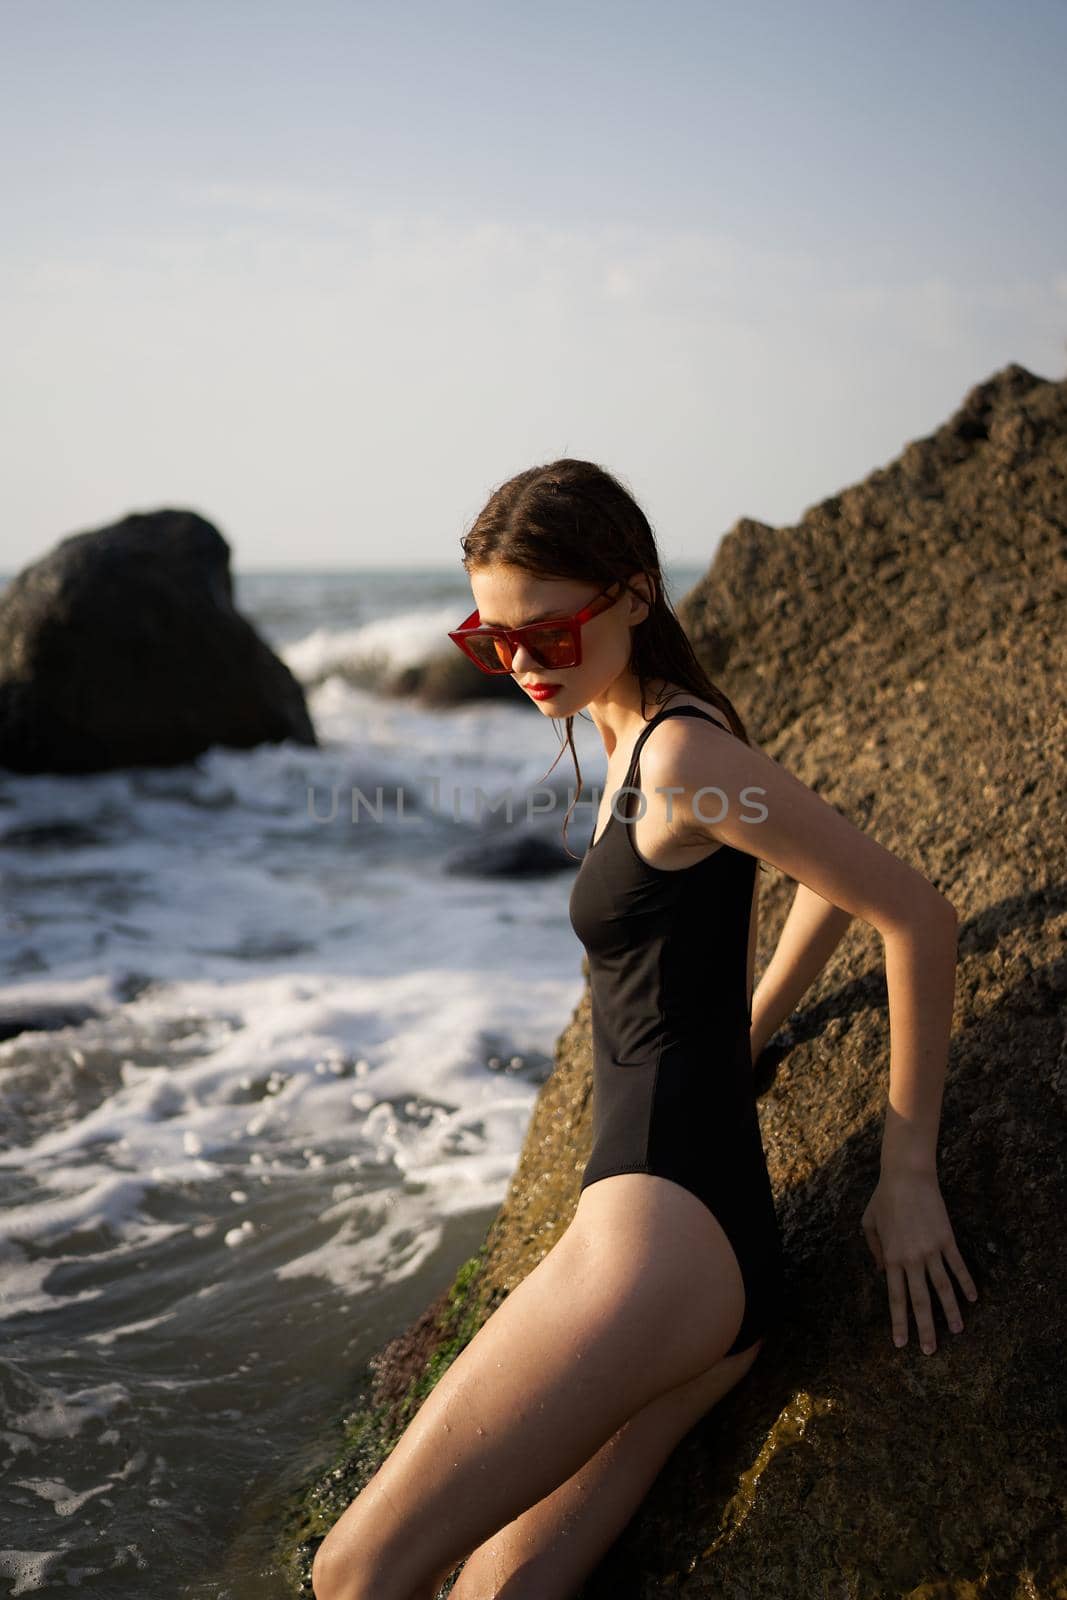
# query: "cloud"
[[281, 355], [267, 200]]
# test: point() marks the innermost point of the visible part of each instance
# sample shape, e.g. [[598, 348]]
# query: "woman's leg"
[[548, 1551], [642, 1293]]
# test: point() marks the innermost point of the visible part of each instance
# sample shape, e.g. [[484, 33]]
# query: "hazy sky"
[[328, 273]]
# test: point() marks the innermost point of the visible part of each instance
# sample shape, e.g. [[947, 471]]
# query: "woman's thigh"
[[553, 1546], [641, 1294]]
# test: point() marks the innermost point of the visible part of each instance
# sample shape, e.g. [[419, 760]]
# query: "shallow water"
[[300, 1060]]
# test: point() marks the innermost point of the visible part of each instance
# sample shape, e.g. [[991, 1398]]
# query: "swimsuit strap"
[[668, 711]]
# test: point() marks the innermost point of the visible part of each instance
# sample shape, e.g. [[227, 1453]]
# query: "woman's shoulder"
[[682, 697]]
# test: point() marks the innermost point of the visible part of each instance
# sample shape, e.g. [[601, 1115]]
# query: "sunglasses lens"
[[551, 647], [492, 655]]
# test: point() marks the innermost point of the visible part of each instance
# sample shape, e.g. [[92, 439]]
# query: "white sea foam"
[[56, 1413], [325, 998], [376, 648], [28, 1569]]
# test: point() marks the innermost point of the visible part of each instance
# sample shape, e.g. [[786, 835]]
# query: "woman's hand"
[[907, 1228]]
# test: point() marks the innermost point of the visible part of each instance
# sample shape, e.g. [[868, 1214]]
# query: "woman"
[[536, 1446]]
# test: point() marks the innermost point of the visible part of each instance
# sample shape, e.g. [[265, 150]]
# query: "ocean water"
[[300, 1053]]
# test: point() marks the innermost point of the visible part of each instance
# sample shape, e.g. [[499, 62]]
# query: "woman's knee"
[[337, 1577], [357, 1558]]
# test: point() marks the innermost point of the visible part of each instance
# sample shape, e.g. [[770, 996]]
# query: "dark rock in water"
[[448, 678], [122, 647], [901, 650], [510, 854], [43, 1018]]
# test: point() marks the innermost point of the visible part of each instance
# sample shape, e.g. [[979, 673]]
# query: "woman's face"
[[509, 597]]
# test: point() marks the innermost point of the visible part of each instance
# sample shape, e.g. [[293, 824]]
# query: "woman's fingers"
[[920, 1299], [955, 1261], [902, 1278], [898, 1304], [910, 1278], [943, 1284]]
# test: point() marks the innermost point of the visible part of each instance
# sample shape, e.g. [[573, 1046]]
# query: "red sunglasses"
[[556, 643]]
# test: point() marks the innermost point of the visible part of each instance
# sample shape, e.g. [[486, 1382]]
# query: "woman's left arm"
[[772, 815], [905, 1222]]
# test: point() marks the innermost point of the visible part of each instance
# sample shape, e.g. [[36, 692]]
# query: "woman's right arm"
[[810, 935]]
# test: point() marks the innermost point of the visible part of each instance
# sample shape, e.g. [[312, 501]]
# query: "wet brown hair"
[[573, 519]]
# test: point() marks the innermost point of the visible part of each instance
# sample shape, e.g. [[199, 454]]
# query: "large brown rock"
[[122, 647], [900, 650]]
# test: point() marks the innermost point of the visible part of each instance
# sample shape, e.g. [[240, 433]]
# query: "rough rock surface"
[[900, 650], [122, 647]]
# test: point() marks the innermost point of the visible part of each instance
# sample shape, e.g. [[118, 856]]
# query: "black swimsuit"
[[673, 1090]]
